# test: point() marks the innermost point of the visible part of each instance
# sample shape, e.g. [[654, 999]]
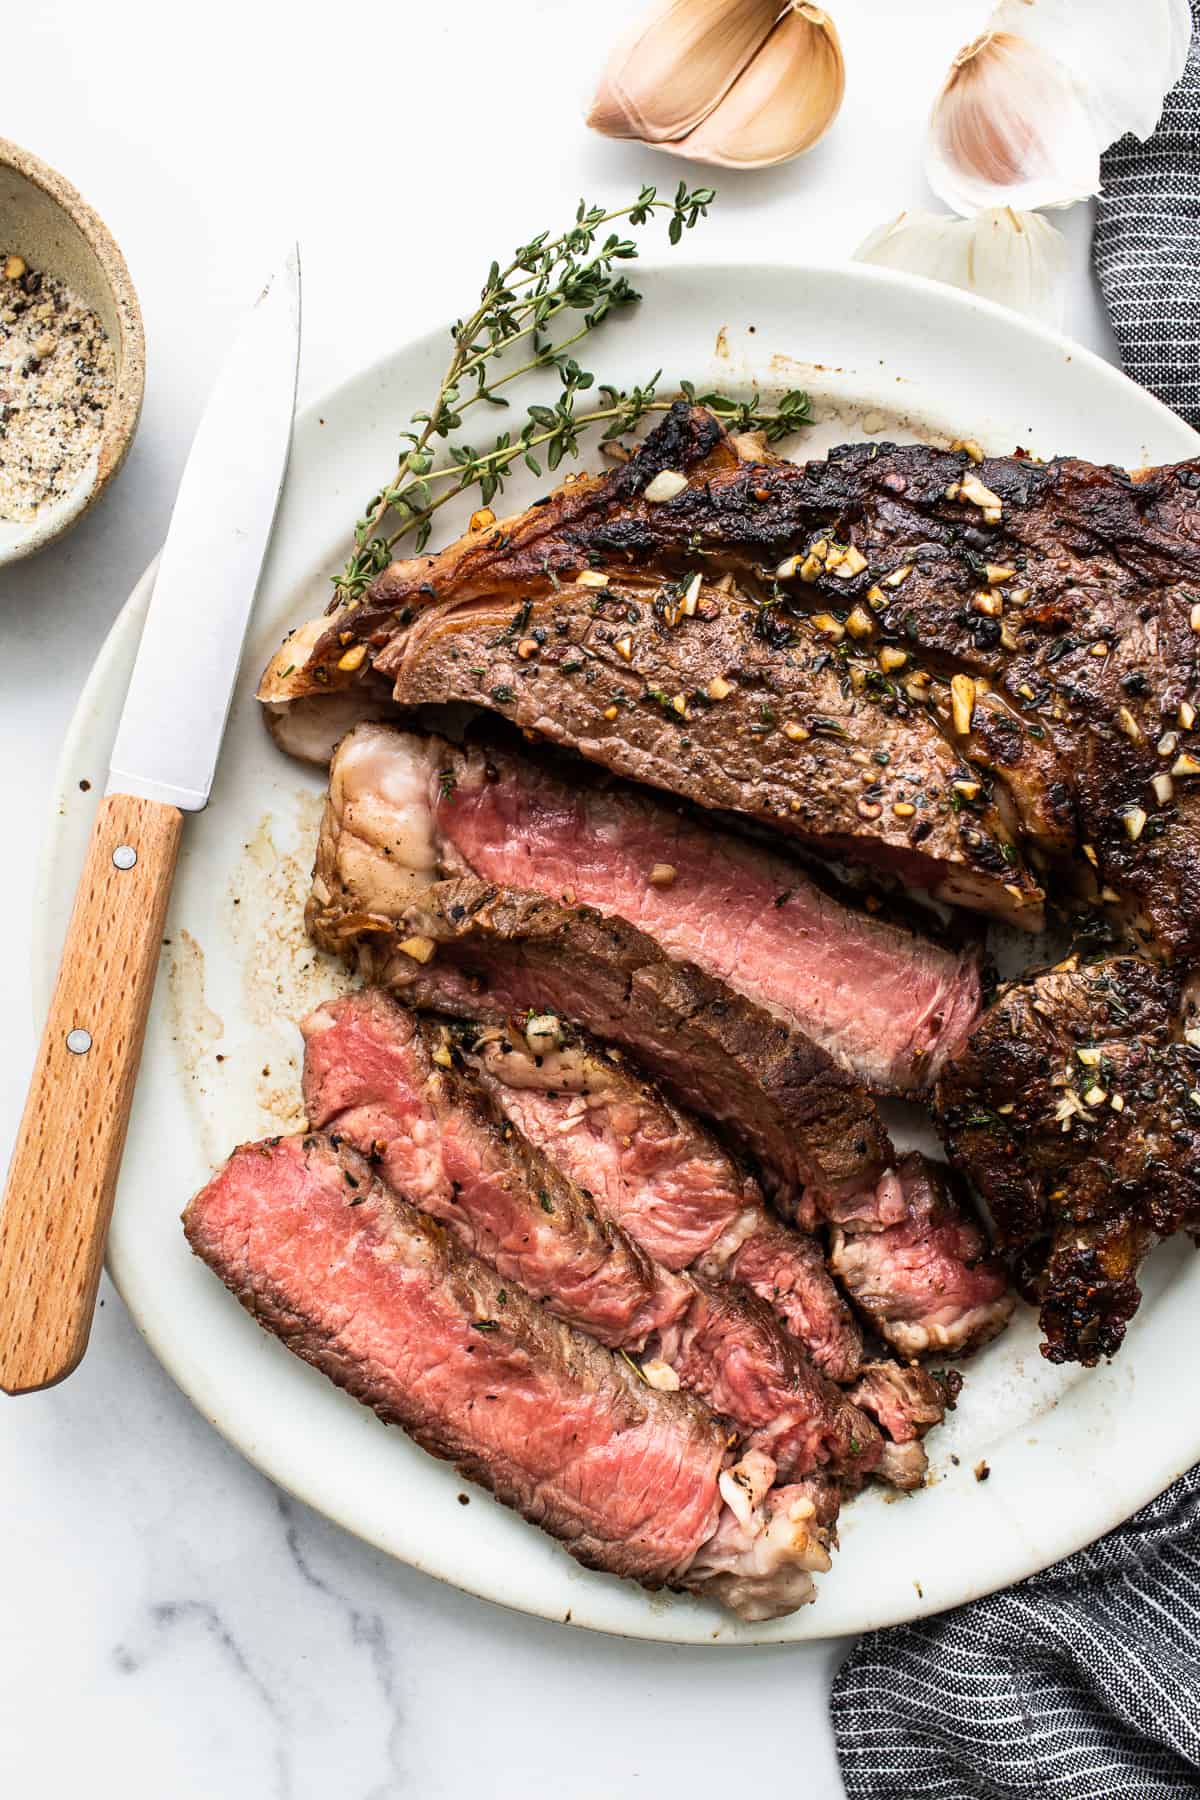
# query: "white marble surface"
[[170, 1625]]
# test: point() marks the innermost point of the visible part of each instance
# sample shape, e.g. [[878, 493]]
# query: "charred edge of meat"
[[686, 437], [1062, 594], [1088, 1289], [1075, 1112]]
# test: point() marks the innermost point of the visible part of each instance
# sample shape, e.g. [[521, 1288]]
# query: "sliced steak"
[[662, 1177], [377, 1297], [735, 706], [581, 620], [1076, 1112], [371, 1079], [888, 1004], [729, 1349], [480, 952], [1062, 596], [925, 1281]]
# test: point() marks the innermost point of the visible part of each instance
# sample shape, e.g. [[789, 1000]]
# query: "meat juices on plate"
[[370, 1078], [378, 1298]]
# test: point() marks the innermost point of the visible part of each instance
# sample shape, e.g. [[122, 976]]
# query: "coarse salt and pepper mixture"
[[57, 371]]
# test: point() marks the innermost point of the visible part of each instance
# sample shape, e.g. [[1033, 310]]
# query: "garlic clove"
[[1010, 128], [1017, 259], [1124, 55], [673, 68], [783, 101]]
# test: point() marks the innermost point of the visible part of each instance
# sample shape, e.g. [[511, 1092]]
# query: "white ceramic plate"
[[1070, 1452]]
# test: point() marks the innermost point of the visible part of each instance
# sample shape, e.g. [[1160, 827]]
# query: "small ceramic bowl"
[[44, 220]]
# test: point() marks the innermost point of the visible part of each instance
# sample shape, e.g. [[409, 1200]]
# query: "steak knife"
[[63, 1174]]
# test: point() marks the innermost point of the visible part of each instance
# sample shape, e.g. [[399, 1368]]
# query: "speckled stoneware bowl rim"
[[124, 409]]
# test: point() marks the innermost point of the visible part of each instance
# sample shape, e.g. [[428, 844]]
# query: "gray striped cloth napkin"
[[1147, 247], [1082, 1683]]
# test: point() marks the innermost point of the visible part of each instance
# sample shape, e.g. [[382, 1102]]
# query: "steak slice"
[[1076, 1112], [480, 952], [736, 707], [925, 1278], [370, 1078], [887, 1003], [376, 1296], [663, 1178]]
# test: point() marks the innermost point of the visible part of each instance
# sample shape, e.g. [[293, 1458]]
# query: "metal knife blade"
[[174, 718]]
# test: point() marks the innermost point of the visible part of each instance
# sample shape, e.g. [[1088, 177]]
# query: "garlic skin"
[[1017, 259], [1028, 107], [670, 71], [1124, 55], [1010, 128], [781, 104]]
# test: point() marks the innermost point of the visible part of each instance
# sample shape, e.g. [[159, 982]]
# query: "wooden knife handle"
[[63, 1174]]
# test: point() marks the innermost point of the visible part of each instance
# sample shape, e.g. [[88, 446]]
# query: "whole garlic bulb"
[[709, 82], [672, 69]]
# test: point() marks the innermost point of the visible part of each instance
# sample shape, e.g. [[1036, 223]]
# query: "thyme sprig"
[[577, 273]]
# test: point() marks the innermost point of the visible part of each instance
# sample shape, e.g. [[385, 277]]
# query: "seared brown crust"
[[1087, 1287], [1077, 1186], [1087, 643], [499, 951], [541, 542], [1094, 641]]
